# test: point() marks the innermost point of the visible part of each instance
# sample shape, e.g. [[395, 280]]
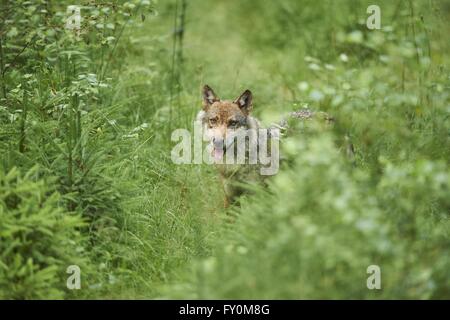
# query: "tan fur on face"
[[224, 112], [223, 119]]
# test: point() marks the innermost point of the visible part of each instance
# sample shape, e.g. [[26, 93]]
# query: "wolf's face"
[[224, 119]]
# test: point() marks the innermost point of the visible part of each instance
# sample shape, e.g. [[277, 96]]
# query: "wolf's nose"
[[218, 143]]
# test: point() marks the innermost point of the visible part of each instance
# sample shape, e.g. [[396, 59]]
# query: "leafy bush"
[[38, 239]]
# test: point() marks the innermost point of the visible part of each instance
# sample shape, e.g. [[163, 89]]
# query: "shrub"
[[38, 239]]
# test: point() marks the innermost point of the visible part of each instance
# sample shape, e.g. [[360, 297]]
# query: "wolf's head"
[[223, 120]]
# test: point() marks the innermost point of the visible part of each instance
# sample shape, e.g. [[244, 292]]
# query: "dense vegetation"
[[86, 176]]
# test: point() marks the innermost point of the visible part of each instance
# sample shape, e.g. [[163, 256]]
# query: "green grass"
[[143, 227]]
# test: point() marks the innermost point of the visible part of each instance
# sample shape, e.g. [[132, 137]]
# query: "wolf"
[[223, 120]]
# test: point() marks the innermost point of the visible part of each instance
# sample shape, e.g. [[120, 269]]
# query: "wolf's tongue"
[[218, 153]]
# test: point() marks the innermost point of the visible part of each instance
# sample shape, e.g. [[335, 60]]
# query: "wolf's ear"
[[245, 101], [209, 97]]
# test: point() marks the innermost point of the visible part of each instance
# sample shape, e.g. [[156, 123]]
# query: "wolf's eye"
[[212, 121], [232, 123]]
